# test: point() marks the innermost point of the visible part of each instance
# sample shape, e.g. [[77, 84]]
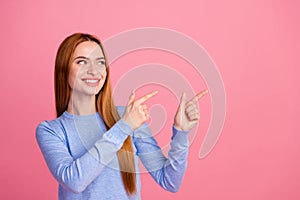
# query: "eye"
[[81, 62], [101, 62]]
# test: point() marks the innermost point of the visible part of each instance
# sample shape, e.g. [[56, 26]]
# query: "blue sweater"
[[81, 155]]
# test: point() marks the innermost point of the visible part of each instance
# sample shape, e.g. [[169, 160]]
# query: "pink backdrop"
[[255, 44]]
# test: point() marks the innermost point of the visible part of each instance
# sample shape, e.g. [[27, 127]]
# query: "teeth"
[[91, 81]]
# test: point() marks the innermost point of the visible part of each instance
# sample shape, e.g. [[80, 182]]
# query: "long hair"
[[104, 102]]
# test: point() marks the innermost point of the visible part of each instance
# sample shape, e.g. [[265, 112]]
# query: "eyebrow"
[[86, 58]]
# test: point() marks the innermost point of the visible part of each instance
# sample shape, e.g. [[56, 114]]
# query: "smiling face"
[[88, 69]]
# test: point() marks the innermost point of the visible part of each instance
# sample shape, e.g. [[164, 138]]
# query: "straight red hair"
[[104, 102]]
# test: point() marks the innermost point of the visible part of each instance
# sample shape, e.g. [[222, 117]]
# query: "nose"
[[93, 70]]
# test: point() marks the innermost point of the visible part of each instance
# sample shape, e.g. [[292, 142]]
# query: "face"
[[88, 69]]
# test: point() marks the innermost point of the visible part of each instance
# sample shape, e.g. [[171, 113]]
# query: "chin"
[[92, 92]]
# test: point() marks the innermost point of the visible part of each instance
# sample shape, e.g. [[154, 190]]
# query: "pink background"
[[255, 44]]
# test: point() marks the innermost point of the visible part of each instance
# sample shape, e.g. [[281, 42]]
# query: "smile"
[[91, 82]]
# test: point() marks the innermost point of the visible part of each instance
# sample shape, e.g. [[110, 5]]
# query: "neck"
[[81, 105]]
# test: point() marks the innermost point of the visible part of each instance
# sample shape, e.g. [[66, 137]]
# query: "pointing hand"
[[187, 115]]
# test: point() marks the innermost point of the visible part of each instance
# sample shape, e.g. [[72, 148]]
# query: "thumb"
[[131, 98], [183, 100]]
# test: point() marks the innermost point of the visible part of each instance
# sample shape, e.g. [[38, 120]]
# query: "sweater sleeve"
[[167, 172], [76, 174]]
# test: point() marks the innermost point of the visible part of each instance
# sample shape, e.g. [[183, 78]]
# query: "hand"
[[136, 113], [187, 115]]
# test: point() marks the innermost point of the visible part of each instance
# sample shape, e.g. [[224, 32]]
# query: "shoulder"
[[49, 128]]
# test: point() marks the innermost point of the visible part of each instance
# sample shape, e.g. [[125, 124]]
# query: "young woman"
[[92, 147]]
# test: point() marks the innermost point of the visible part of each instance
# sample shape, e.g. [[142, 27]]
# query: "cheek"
[[103, 76], [103, 79]]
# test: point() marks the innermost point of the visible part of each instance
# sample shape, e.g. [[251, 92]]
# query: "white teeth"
[[91, 81]]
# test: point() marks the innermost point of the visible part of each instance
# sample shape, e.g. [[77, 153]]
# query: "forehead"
[[88, 49]]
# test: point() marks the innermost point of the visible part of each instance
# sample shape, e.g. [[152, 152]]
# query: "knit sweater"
[[81, 155]]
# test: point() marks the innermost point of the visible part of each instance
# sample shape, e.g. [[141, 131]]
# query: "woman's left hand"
[[187, 115]]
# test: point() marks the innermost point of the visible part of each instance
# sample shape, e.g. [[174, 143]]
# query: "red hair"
[[104, 102]]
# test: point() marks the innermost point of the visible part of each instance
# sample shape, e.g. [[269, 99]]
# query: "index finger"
[[200, 95], [146, 97]]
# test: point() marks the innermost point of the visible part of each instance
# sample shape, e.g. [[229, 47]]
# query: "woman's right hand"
[[136, 113]]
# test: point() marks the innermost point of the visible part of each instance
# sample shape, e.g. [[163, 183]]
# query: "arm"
[[167, 172], [76, 174]]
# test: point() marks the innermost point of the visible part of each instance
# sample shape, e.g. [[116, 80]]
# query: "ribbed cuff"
[[181, 137], [125, 127]]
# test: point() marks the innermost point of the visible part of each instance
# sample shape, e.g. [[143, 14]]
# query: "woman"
[[92, 147]]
